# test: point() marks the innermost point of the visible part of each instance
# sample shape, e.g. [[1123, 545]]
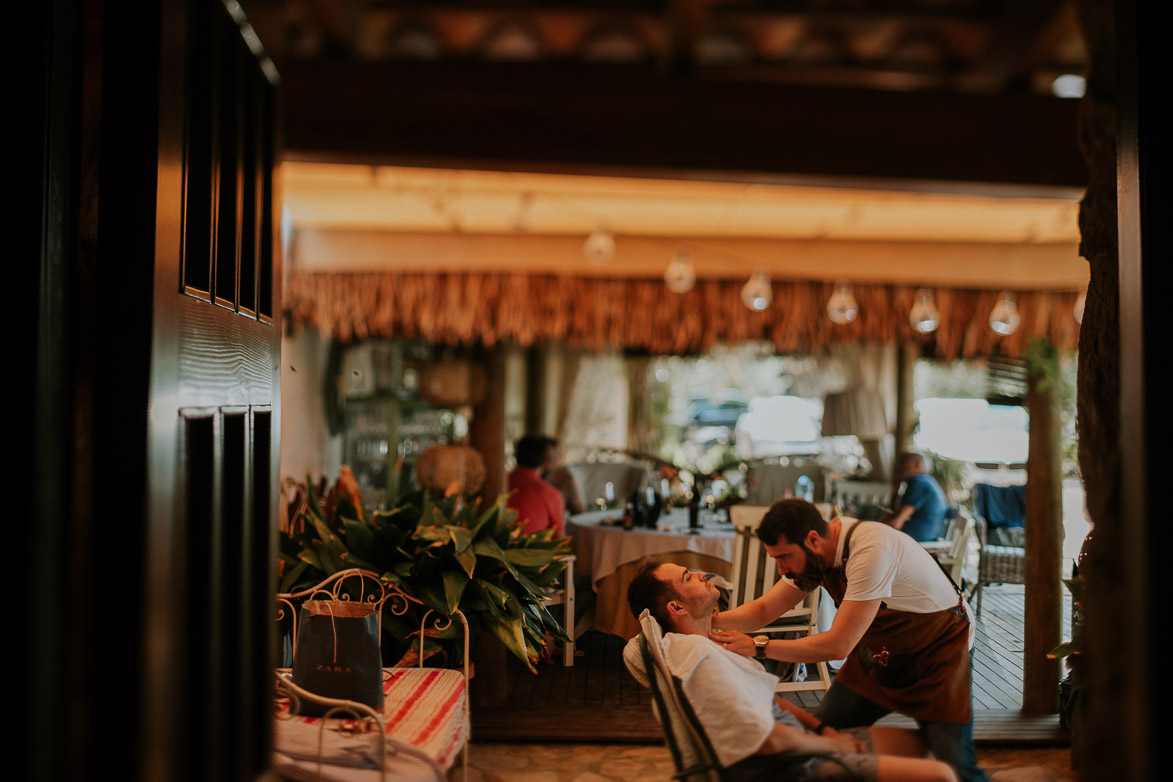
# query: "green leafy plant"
[[447, 552], [1073, 688]]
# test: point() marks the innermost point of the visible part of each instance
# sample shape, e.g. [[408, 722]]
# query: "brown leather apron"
[[914, 664]]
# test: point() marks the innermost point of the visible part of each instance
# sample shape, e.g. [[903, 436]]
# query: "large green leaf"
[[548, 575], [510, 634], [454, 583], [433, 597], [432, 535], [529, 557], [544, 619], [292, 574], [486, 522], [461, 538], [313, 504], [360, 539], [310, 556], [327, 537], [487, 547], [329, 557], [495, 596], [349, 560]]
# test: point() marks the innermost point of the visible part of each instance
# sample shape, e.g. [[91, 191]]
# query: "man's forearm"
[[745, 618], [759, 612], [783, 738], [804, 717], [898, 519], [851, 621], [816, 648]]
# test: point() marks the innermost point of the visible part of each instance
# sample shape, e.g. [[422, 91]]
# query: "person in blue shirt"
[[920, 508]]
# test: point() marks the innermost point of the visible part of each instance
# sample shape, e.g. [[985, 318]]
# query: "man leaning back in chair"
[[756, 735]]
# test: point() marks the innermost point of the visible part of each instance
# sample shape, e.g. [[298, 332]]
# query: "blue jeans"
[[949, 742]]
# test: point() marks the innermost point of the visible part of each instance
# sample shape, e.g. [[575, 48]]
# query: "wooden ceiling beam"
[[624, 120]]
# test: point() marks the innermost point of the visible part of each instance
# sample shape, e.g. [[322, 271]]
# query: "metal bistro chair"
[[996, 565], [753, 574]]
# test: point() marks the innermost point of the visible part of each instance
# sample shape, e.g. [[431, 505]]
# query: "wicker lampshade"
[[453, 382], [441, 466], [858, 411]]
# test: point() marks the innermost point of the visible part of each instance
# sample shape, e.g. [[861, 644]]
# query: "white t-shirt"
[[885, 563], [731, 695]]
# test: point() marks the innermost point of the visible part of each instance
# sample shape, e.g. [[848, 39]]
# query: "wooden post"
[[1044, 536], [638, 423], [905, 412], [486, 430], [487, 434]]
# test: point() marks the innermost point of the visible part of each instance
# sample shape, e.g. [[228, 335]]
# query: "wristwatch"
[[759, 645]]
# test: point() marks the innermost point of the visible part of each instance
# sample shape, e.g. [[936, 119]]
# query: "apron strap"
[[847, 552]]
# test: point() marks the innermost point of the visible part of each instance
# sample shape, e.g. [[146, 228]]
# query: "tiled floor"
[[624, 762]]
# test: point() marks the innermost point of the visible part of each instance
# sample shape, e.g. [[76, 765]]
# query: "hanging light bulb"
[[1004, 317], [1077, 311], [680, 276], [924, 316], [842, 307], [599, 247], [757, 293]]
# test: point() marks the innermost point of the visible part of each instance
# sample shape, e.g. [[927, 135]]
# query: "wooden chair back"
[[754, 573]]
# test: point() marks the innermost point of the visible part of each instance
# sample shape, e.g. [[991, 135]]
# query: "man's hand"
[[736, 642], [845, 744]]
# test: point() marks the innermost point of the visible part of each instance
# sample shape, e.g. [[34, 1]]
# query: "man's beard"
[[812, 573]]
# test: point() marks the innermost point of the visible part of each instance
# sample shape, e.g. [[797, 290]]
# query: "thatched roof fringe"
[[639, 314]]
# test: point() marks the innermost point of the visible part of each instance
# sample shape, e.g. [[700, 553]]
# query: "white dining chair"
[[562, 594], [754, 573]]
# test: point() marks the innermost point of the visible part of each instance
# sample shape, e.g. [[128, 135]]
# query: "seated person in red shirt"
[[538, 504]]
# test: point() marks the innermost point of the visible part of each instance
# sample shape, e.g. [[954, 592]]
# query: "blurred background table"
[[610, 556]]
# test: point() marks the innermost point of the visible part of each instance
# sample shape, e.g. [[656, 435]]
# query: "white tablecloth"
[[602, 549]]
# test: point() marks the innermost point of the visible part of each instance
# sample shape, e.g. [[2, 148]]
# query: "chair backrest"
[[754, 572], [999, 506], [691, 751], [366, 586], [357, 585], [954, 558]]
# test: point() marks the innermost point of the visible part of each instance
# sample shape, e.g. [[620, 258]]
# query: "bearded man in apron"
[[902, 625]]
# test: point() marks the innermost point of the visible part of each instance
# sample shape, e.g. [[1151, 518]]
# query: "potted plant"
[[1073, 687], [448, 552]]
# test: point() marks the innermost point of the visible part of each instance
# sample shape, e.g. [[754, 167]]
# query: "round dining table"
[[610, 555]]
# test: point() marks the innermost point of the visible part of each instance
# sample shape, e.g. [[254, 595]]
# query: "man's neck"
[[831, 542], [690, 626]]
